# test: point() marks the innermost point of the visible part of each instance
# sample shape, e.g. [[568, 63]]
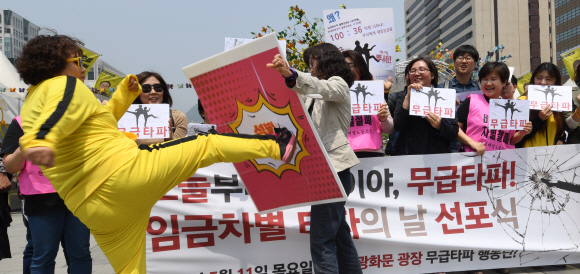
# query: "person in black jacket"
[[421, 135]]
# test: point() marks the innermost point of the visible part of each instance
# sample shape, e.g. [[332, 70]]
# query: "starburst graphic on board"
[[261, 118]]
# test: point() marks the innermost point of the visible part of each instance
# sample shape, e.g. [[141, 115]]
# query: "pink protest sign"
[[241, 95]]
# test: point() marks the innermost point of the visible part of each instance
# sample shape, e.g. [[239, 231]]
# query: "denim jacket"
[[459, 87]]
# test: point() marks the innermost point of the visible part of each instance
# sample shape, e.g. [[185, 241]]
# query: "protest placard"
[[89, 59], [366, 97], [241, 95], [440, 101], [147, 121], [523, 79], [107, 82], [571, 60], [506, 114], [511, 69], [560, 97], [194, 129], [370, 32]]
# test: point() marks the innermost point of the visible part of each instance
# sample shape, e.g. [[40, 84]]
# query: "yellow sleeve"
[[122, 98], [56, 111]]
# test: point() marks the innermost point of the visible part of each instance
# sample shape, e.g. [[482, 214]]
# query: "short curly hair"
[[330, 62], [45, 56]]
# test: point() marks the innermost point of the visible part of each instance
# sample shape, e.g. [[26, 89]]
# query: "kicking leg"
[[119, 209]]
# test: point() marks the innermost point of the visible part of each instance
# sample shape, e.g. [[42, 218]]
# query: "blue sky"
[[165, 36]]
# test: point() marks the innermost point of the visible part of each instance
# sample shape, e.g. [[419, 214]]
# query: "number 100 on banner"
[[344, 29]]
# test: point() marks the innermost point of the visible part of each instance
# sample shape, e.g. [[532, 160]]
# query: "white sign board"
[[366, 97], [147, 121], [367, 31], [560, 97], [506, 114], [440, 101]]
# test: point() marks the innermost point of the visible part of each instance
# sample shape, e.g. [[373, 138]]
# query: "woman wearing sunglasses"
[[48, 221], [155, 91], [104, 178]]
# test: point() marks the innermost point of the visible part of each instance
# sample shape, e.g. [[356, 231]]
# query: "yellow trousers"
[[117, 213]]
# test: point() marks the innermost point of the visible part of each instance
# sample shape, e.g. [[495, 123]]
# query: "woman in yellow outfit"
[[547, 126], [105, 179]]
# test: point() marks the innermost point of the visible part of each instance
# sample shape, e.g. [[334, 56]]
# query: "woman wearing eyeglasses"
[[155, 91], [421, 135]]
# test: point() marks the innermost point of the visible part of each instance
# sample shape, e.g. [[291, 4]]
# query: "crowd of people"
[[468, 132], [64, 134]]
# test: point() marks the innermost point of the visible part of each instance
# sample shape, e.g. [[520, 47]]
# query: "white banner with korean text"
[[369, 32], [408, 214]]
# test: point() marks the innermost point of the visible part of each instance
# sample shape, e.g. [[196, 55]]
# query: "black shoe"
[[287, 141]]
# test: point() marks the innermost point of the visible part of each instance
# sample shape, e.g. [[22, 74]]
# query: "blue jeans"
[[47, 230], [27, 254], [331, 245]]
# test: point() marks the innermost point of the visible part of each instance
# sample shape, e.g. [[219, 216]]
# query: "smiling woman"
[[421, 135], [548, 127], [155, 91], [473, 112]]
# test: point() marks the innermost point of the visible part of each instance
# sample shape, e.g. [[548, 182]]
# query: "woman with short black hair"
[[473, 112]]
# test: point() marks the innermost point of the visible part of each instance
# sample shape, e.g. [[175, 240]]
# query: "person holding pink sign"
[[369, 142], [548, 126], [331, 245], [473, 114]]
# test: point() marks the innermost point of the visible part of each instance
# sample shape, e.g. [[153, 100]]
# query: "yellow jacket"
[[62, 114]]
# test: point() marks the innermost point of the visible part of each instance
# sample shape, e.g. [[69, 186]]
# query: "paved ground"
[[17, 234]]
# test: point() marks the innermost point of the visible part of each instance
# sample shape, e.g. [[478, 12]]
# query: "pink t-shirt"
[[365, 133], [31, 178]]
